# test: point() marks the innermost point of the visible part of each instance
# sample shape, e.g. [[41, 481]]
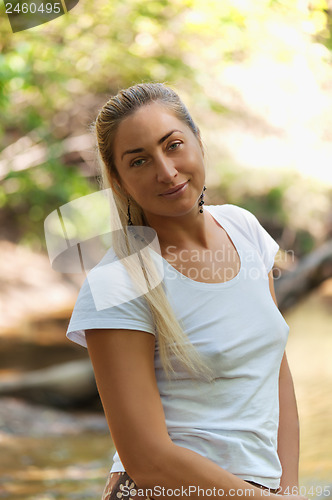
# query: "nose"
[[165, 169]]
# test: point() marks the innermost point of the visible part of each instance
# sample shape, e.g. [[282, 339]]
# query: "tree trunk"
[[310, 272]]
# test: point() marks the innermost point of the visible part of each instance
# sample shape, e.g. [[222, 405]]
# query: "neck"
[[189, 230]]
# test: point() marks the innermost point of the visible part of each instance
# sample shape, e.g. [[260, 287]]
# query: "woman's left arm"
[[288, 433]]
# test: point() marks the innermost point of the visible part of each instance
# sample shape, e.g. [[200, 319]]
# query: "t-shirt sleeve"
[[267, 247], [104, 304]]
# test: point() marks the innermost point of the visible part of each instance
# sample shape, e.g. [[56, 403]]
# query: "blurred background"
[[257, 78]]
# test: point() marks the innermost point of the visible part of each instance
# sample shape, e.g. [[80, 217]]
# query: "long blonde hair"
[[171, 337]]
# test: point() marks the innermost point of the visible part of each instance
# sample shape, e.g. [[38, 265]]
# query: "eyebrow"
[[140, 150]]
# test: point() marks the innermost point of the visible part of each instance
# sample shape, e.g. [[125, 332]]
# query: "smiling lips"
[[175, 190]]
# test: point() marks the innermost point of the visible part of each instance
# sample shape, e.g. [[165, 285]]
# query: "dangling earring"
[[201, 203], [130, 222]]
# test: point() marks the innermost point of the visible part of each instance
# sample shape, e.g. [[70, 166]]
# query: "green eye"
[[174, 144], [137, 163]]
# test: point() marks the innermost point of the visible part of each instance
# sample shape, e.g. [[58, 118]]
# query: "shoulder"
[[248, 227], [234, 214], [227, 208], [109, 299], [113, 285]]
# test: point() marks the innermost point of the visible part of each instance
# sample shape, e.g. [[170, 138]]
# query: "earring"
[[130, 222], [201, 203]]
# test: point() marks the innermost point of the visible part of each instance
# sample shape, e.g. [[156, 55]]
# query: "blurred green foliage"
[[27, 197], [54, 76]]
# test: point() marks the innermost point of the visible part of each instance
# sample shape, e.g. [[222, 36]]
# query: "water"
[[309, 353], [55, 468], [54, 455]]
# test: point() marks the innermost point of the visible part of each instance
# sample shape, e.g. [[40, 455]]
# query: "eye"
[[174, 145], [137, 163]]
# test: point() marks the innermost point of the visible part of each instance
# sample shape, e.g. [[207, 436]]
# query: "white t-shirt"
[[236, 325]]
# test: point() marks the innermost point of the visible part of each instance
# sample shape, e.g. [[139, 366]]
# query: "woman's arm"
[[288, 434], [123, 362]]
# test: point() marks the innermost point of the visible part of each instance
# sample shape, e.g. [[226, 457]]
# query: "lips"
[[174, 189]]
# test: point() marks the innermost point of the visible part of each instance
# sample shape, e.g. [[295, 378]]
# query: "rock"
[[65, 385]]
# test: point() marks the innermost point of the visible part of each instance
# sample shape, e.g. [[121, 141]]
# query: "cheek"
[[195, 154], [130, 181], [137, 186], [196, 164]]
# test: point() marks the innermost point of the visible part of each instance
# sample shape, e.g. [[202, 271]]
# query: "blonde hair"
[[171, 337]]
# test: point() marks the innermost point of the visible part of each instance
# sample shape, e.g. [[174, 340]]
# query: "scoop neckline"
[[203, 284]]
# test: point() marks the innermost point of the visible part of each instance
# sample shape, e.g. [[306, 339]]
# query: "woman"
[[192, 371]]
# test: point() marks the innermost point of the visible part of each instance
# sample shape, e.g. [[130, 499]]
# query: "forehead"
[[147, 125]]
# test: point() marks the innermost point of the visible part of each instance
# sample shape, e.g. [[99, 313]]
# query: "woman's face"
[[154, 153]]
